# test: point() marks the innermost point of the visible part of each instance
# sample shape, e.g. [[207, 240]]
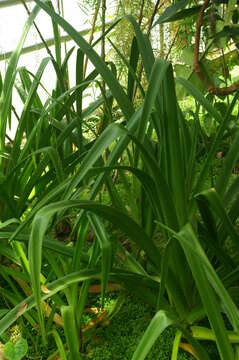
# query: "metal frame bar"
[[39, 46], [50, 42], [7, 3]]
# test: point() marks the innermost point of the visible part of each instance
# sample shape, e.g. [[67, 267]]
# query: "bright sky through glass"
[[11, 25], [12, 20]]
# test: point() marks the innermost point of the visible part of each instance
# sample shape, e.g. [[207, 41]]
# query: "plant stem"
[[97, 8], [176, 343], [203, 333]]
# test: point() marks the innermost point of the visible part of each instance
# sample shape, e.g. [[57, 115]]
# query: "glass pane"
[[12, 22]]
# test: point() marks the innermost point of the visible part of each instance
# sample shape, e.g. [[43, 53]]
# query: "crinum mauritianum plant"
[[194, 275]]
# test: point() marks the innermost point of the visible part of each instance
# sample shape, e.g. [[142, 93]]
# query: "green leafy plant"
[[183, 237], [15, 351]]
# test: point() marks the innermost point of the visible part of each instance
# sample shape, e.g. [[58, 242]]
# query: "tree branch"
[[196, 66]]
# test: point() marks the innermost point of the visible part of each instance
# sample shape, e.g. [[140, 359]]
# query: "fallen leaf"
[[96, 289], [1, 352], [188, 348], [95, 321], [219, 154], [44, 289], [92, 310]]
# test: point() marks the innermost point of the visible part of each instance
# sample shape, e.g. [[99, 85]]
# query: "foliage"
[[123, 34], [15, 351], [218, 46], [163, 234]]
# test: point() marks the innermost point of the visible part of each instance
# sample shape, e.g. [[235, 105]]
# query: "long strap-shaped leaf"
[[132, 75], [158, 324], [62, 283], [70, 330], [223, 125], [176, 12], [228, 164], [22, 121], [200, 98], [10, 78], [200, 268], [144, 46], [96, 60], [40, 225], [172, 146], [110, 134], [50, 290], [189, 240], [106, 251], [159, 70], [114, 155], [217, 205]]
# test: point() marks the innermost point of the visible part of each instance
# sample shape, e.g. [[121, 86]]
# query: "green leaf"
[[9, 222], [203, 333], [70, 331], [66, 281], [39, 228], [206, 278], [177, 15], [3, 312], [144, 46], [117, 151], [58, 285], [158, 324], [132, 76], [21, 348], [9, 350], [79, 79], [111, 133], [176, 344], [25, 113], [172, 146], [217, 205], [228, 165], [59, 344], [200, 98], [132, 67], [96, 60], [10, 76], [223, 125], [159, 70], [106, 251], [170, 12]]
